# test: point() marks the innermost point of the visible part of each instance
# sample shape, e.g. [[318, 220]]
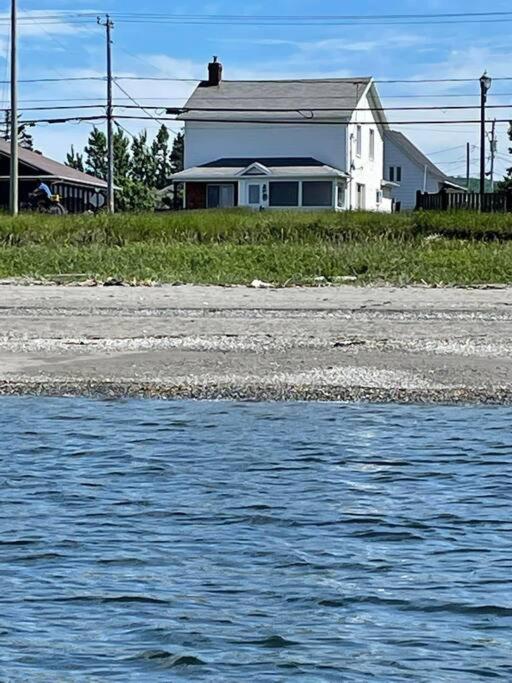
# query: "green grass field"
[[232, 247]]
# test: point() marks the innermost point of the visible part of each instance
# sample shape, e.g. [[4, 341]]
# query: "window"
[[317, 193], [220, 196], [392, 174], [340, 196], [372, 145], [361, 197], [254, 194], [398, 174], [284, 193], [359, 141], [379, 197]]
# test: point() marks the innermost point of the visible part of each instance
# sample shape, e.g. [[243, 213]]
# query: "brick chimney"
[[214, 72]]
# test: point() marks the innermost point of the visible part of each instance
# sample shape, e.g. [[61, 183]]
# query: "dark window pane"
[[392, 173], [398, 174], [213, 196], [254, 194], [317, 193], [284, 194]]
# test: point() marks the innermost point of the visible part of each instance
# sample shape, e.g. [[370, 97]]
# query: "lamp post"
[[485, 85]]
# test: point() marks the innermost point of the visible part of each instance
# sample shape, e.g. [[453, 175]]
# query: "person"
[[42, 194], [43, 189]]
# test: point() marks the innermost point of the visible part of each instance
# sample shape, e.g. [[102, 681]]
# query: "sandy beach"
[[328, 343]]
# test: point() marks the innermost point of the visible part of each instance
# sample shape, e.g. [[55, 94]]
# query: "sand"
[[409, 344]]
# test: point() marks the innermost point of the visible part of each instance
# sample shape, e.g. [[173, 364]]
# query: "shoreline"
[[346, 344], [498, 396]]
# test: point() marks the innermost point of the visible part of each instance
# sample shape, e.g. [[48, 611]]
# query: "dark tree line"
[[141, 166]]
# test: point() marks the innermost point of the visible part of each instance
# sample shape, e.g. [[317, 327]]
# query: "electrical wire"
[[70, 79], [238, 110], [146, 111]]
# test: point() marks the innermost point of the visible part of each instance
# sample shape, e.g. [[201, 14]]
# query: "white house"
[[301, 144], [410, 170]]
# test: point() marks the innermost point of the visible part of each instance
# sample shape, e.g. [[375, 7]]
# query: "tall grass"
[[238, 246], [201, 227], [415, 261]]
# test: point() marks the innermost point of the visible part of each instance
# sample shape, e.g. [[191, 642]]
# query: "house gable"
[[255, 169]]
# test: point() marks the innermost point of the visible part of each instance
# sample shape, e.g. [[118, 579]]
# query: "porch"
[[301, 184]]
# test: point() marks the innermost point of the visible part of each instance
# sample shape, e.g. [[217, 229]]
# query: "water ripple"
[[155, 541]]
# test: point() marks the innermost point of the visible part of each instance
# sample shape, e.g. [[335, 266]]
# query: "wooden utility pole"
[[13, 194], [468, 164], [109, 25], [494, 149]]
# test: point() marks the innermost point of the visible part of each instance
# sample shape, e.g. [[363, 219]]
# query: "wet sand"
[[330, 343]]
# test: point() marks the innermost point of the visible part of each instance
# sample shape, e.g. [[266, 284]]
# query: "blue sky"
[[453, 50]]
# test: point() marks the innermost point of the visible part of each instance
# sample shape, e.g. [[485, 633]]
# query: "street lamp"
[[485, 86]]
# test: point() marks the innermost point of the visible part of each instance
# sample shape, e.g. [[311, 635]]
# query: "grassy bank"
[[238, 247]]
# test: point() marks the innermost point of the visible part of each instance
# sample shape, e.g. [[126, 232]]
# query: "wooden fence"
[[446, 200]]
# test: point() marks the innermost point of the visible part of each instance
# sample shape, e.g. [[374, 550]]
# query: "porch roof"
[[276, 167]]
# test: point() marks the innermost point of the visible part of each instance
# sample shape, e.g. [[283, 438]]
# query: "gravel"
[[379, 344]]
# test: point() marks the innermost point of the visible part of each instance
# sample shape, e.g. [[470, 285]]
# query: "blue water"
[[152, 541]]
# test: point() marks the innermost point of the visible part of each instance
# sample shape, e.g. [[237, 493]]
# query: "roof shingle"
[[329, 99]]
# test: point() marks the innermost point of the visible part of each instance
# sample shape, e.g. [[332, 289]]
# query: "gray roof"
[[326, 99], [414, 153], [51, 168], [280, 167]]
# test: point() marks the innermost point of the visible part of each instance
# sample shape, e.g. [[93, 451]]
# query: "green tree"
[[177, 154], [506, 183], [96, 154], [162, 158], [122, 159], [25, 139], [143, 161], [75, 159], [135, 195], [140, 167]]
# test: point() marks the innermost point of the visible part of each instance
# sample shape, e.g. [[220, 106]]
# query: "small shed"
[[79, 191]]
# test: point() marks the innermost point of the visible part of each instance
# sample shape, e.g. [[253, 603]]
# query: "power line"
[[300, 123], [302, 80], [138, 105], [301, 110], [316, 122], [66, 14], [311, 17], [449, 149]]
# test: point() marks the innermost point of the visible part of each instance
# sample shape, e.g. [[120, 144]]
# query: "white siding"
[[366, 171], [413, 176], [206, 142]]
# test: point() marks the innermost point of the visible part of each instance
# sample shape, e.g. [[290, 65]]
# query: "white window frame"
[[372, 145]]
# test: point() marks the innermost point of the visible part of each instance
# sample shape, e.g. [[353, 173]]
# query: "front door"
[[257, 194]]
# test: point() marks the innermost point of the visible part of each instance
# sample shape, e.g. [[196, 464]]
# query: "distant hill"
[[474, 183]]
